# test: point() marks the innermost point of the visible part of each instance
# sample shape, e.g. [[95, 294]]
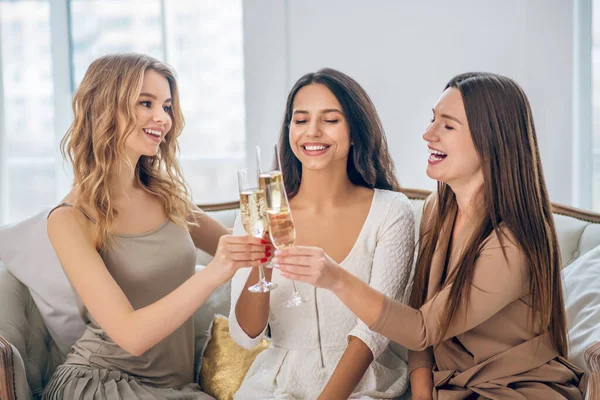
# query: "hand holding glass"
[[281, 224], [253, 209]]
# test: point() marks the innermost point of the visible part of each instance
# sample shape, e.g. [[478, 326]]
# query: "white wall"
[[403, 52]]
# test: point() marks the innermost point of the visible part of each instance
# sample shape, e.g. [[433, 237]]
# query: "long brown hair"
[[514, 195], [369, 161], [95, 142]]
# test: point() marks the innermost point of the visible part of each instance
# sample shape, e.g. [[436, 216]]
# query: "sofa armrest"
[[14, 334], [592, 359], [34, 354], [13, 379]]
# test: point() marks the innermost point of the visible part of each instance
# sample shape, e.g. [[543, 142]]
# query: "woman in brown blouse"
[[487, 318]]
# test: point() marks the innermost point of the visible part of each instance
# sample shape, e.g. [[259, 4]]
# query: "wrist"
[[421, 394], [340, 282], [215, 275]]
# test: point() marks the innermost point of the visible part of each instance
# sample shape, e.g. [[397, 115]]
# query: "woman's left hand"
[[308, 264]]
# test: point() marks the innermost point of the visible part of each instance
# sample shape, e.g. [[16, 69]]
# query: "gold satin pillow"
[[225, 363]]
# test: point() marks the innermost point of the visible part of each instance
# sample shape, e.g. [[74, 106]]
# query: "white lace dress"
[[309, 340]]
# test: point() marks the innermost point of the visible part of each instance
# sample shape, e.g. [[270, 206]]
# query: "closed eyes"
[[329, 121], [448, 127]]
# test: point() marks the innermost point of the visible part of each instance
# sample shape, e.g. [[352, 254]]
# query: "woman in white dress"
[[340, 180]]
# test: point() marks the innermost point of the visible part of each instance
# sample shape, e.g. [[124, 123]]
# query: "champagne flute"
[[281, 223], [261, 185], [253, 211]]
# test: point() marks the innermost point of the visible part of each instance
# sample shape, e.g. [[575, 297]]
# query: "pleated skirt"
[[85, 383]]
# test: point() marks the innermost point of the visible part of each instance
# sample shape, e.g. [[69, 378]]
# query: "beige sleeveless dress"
[[147, 267]]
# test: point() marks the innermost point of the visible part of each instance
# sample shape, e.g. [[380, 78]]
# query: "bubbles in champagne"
[[272, 184], [282, 231], [281, 224], [253, 209]]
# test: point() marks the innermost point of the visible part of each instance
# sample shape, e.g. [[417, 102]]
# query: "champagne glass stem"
[[294, 288], [296, 299], [261, 273]]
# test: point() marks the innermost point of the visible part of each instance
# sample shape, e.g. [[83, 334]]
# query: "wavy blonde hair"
[[95, 142]]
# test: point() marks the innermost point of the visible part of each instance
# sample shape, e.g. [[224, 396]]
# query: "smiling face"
[[452, 156], [153, 120], [319, 133]]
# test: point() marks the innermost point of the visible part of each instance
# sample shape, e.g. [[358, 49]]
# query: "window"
[[28, 144], [103, 27], [204, 44], [203, 41]]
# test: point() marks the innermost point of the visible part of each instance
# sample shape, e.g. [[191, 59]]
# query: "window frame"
[[4, 199], [583, 143]]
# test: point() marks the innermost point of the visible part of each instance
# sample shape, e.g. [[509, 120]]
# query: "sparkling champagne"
[[281, 228], [272, 184], [253, 209]]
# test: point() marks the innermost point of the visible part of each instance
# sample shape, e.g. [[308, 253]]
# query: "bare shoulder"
[[67, 222]]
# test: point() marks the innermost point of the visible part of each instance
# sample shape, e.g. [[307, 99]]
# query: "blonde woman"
[[126, 236]]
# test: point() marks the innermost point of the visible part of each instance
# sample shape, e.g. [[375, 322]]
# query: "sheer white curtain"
[[596, 103], [28, 145]]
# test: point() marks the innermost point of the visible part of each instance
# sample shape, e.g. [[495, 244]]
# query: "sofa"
[[29, 355]]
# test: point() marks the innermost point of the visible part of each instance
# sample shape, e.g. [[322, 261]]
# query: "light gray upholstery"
[[576, 237], [21, 325]]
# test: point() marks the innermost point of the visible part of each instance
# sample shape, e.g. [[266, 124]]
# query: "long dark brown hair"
[[369, 161], [514, 194]]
